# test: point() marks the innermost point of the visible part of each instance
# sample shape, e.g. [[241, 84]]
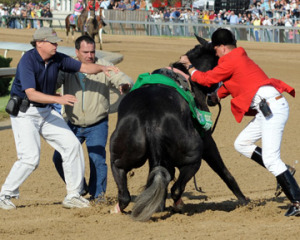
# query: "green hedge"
[[5, 81]]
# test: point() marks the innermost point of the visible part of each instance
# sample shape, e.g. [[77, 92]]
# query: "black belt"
[[38, 105], [102, 120]]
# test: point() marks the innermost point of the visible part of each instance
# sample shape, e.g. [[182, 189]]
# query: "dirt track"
[[210, 215]]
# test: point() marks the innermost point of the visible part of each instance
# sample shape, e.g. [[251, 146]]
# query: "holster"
[[16, 104], [13, 105]]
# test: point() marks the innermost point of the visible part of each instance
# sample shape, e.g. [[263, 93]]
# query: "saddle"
[[165, 77], [178, 78], [72, 19]]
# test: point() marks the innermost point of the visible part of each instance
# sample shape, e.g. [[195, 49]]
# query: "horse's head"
[[203, 58]]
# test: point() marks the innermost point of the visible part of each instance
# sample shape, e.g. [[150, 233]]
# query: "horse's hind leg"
[[120, 176], [185, 174], [67, 33], [73, 30], [127, 151], [100, 38], [212, 156]]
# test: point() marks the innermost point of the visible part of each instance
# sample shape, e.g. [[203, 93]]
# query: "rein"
[[217, 118]]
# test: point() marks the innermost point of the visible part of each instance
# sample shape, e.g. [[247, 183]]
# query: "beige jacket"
[[93, 101]]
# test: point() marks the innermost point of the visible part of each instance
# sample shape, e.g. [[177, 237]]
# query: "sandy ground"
[[214, 214]]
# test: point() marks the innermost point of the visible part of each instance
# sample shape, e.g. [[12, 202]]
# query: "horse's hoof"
[[178, 206], [131, 174], [244, 201], [116, 209]]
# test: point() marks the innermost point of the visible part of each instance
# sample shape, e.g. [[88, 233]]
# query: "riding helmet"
[[223, 36]]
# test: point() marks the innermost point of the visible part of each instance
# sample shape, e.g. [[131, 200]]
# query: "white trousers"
[[27, 128], [270, 131]]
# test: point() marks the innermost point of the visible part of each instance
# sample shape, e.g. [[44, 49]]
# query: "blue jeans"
[[95, 138], [256, 35]]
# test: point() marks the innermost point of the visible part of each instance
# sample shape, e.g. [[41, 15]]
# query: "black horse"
[[155, 123]]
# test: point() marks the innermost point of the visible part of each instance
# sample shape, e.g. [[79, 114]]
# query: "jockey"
[[78, 8], [92, 6]]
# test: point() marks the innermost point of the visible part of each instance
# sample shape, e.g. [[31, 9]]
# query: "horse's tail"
[[153, 197]]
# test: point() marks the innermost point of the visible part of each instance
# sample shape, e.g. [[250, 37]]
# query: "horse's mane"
[[203, 58], [179, 66]]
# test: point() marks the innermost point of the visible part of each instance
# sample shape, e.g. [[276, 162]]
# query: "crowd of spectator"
[[271, 10], [124, 4], [284, 13], [25, 15]]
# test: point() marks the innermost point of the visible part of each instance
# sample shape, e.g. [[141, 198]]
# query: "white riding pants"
[[27, 128], [270, 131]]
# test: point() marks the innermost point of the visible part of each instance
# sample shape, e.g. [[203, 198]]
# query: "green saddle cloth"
[[203, 117]]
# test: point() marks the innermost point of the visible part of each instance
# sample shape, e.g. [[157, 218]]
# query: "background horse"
[[155, 123], [70, 24], [94, 26]]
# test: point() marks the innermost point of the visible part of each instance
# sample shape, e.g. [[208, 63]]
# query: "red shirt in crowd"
[[241, 78], [90, 5]]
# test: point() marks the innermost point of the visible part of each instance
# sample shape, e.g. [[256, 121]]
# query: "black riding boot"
[[292, 192], [257, 157]]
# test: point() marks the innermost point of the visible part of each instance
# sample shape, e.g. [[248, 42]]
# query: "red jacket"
[[90, 6], [241, 78]]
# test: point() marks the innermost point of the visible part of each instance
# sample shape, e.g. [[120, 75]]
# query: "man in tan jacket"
[[88, 118]]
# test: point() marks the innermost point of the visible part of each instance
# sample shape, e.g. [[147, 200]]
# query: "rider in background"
[[92, 6], [97, 8], [78, 8]]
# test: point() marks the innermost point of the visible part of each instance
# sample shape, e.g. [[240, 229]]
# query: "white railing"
[[7, 72]]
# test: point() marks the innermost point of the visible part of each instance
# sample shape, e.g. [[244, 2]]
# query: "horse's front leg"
[[213, 158], [120, 176], [83, 29], [185, 174]]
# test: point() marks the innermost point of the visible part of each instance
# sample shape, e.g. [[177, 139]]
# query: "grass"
[[3, 101]]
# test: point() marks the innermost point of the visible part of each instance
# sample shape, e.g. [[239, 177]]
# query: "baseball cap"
[[46, 34], [223, 36]]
